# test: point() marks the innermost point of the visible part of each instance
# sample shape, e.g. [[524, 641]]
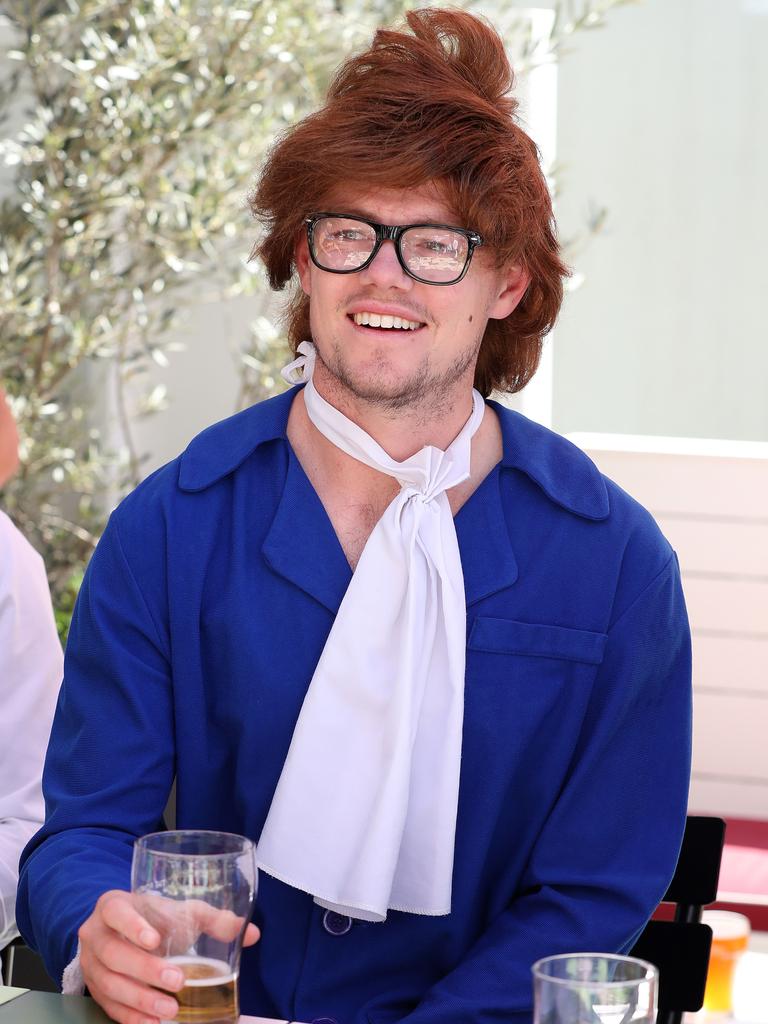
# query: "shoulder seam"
[[644, 591]]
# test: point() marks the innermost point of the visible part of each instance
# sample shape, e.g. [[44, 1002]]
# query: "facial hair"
[[424, 390]]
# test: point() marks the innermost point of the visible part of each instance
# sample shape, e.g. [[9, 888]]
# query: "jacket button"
[[336, 924]]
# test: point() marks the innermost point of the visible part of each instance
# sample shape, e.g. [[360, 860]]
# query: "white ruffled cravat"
[[364, 814]]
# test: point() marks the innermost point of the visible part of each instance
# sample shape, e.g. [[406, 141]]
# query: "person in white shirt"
[[31, 668]]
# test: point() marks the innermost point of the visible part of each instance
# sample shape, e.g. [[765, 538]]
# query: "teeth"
[[385, 320]]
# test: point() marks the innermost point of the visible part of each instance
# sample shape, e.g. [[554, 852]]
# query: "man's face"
[[394, 367]]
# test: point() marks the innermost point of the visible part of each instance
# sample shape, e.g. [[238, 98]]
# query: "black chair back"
[[24, 968], [680, 948]]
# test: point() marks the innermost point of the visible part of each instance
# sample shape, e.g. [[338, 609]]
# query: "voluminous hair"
[[435, 107]]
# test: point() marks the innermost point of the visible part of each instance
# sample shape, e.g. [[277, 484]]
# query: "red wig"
[[431, 106]]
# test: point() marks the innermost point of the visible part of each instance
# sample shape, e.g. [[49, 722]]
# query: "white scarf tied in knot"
[[364, 814]]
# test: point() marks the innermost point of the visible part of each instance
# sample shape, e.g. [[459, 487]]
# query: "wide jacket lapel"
[[487, 558], [301, 545]]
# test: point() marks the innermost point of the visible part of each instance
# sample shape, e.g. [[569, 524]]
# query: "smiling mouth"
[[392, 325]]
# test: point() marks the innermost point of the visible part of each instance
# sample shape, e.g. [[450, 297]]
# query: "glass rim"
[[140, 843], [650, 970], [721, 915], [727, 924]]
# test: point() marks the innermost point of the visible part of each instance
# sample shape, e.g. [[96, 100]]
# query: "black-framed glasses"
[[430, 253]]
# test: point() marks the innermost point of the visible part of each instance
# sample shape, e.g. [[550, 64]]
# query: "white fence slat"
[[711, 486], [731, 799], [731, 606], [729, 736], [731, 663], [729, 547]]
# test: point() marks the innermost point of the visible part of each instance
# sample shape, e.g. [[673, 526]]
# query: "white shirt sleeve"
[[31, 669], [73, 982]]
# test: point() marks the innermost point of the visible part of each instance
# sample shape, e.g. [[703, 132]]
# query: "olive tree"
[[133, 130]]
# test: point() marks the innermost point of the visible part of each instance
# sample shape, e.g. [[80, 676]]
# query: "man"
[[412, 643], [30, 676]]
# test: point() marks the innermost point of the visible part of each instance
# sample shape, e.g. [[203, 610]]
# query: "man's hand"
[[119, 961]]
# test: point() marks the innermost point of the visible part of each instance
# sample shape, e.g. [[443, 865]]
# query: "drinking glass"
[[197, 889], [594, 988], [730, 935]]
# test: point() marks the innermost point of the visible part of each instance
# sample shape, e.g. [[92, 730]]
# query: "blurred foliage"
[[65, 604], [143, 123]]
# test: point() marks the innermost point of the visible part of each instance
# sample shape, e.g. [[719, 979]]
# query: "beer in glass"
[[196, 889], [730, 935]]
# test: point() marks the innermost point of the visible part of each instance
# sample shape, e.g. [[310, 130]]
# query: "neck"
[[402, 431]]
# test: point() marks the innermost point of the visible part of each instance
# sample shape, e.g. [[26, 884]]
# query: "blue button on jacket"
[[201, 618]]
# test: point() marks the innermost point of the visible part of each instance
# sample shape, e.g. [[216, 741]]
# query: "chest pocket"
[[507, 636], [527, 688]]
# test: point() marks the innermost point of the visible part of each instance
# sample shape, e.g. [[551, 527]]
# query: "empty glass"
[[594, 988], [197, 890]]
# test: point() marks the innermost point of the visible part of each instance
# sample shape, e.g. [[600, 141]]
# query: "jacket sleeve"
[[607, 852], [110, 762]]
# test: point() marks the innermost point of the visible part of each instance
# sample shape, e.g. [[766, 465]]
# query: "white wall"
[[202, 380]]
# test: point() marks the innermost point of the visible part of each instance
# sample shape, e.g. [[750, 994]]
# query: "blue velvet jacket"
[[201, 617]]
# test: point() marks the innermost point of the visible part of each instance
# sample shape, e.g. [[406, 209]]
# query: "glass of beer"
[[196, 889], [730, 935], [594, 988]]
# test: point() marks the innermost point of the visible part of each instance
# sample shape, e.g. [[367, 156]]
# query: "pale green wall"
[[663, 117]]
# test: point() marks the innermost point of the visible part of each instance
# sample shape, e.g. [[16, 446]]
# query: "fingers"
[[120, 957], [219, 924], [223, 925], [121, 976], [119, 947], [130, 1000], [119, 913]]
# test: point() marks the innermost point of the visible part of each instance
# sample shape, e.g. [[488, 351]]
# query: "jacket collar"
[[221, 448], [564, 472]]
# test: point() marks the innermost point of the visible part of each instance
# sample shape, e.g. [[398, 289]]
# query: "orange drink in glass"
[[730, 935]]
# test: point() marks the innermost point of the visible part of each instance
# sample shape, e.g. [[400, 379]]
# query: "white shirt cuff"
[[72, 981]]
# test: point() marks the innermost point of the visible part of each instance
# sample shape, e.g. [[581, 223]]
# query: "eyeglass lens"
[[435, 254]]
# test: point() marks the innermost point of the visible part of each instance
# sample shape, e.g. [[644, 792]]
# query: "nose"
[[385, 270]]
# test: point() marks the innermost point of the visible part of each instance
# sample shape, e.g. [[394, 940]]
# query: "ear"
[[511, 287], [303, 262]]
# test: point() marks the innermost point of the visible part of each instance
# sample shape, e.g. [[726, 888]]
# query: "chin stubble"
[[423, 390]]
